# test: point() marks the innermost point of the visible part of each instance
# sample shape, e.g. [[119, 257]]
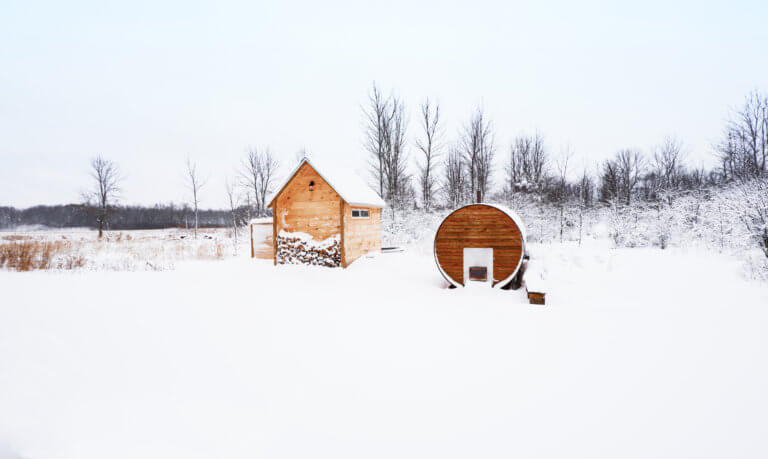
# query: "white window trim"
[[361, 210]]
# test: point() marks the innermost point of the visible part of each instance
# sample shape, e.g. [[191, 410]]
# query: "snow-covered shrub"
[[756, 266], [411, 228], [754, 198], [666, 222], [630, 225]]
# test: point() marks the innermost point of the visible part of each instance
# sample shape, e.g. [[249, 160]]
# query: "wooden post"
[[341, 238], [252, 252], [274, 233]]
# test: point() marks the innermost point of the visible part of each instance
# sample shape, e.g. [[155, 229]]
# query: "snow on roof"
[[345, 181], [261, 220]]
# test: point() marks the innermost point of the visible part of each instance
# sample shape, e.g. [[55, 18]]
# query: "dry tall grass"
[[28, 255], [116, 251]]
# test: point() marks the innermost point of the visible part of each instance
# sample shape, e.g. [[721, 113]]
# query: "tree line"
[[459, 169], [120, 217], [451, 170]]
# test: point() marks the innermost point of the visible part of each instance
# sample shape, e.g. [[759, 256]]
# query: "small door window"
[[360, 213], [478, 266], [478, 273]]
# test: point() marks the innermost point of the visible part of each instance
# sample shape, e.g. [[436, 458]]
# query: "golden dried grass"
[[28, 255], [116, 251]]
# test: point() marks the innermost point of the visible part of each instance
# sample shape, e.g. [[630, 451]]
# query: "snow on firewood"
[[301, 248]]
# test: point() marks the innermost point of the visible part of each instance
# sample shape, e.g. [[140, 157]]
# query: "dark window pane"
[[478, 273]]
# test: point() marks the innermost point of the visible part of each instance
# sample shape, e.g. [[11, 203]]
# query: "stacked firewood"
[[295, 250]]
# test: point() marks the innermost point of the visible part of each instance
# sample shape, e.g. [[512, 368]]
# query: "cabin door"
[[478, 267]]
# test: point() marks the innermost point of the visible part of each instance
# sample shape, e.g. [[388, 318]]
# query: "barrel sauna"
[[480, 244]]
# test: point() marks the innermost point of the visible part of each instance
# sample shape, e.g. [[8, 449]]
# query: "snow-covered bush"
[[411, 228], [753, 198]]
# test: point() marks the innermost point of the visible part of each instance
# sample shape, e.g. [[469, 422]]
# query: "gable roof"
[[344, 181]]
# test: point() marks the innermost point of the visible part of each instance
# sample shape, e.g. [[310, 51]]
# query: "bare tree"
[[455, 177], [561, 165], [477, 143], [258, 173], [667, 166], [195, 183], [377, 137], [430, 147], [586, 187], [233, 202], [105, 189], [610, 187], [516, 166], [386, 127], [249, 175], [744, 148], [246, 199], [621, 175], [396, 158], [528, 161], [538, 160], [267, 170]]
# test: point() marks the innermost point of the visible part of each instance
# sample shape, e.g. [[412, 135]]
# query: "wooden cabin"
[[324, 216], [480, 244]]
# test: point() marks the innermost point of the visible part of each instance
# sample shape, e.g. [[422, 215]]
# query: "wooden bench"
[[535, 297], [535, 285]]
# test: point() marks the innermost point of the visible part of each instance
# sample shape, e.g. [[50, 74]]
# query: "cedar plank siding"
[[313, 212], [480, 227], [361, 235]]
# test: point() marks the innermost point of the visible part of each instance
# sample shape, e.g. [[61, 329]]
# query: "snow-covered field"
[[135, 250], [639, 353]]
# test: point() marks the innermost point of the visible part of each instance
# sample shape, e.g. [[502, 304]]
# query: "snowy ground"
[[639, 353]]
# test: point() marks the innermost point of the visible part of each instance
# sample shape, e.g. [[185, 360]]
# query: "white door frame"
[[473, 256]]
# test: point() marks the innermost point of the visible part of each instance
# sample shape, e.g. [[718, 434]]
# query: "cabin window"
[[312, 185], [360, 213]]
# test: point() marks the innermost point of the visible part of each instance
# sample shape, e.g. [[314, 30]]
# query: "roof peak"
[[344, 180]]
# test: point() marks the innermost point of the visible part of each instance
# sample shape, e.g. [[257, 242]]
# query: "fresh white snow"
[[639, 353], [308, 240]]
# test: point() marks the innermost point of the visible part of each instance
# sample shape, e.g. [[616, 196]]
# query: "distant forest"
[[120, 218]]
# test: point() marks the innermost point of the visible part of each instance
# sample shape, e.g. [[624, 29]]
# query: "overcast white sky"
[[147, 83]]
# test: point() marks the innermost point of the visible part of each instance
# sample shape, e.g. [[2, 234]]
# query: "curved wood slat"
[[478, 226]]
